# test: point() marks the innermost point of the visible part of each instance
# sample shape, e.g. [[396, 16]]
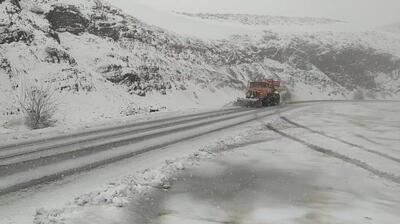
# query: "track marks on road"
[[356, 162], [397, 160], [61, 154], [23, 175], [36, 146]]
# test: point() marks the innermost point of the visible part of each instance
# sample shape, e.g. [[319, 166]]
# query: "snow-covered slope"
[[105, 63], [394, 28], [102, 62], [249, 19]]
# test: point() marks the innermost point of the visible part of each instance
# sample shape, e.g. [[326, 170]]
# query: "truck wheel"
[[275, 99], [269, 100], [265, 102]]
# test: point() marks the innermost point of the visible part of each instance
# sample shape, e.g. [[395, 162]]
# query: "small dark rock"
[[154, 110]]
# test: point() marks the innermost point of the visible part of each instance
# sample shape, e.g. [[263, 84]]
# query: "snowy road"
[[318, 162], [30, 163], [337, 164]]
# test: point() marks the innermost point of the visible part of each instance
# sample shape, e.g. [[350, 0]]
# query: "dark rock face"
[[67, 19], [58, 56], [8, 36], [141, 80], [103, 25], [147, 79], [129, 78], [116, 69]]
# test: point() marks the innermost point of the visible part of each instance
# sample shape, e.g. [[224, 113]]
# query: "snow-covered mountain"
[[393, 28], [249, 19], [105, 63]]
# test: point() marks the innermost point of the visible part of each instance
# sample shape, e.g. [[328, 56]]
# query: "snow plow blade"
[[248, 102]]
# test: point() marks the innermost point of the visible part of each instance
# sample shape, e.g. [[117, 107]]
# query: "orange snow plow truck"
[[262, 94]]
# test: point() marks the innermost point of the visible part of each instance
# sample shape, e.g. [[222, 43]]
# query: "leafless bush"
[[39, 105]]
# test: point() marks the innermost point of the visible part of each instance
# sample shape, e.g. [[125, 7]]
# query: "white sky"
[[373, 12]]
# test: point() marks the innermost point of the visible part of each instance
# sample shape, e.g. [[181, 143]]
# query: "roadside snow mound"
[[120, 194]]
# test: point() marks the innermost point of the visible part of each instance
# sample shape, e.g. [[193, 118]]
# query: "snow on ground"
[[95, 98], [264, 184], [110, 186], [282, 181], [18, 134], [373, 125], [88, 60], [223, 181], [107, 101]]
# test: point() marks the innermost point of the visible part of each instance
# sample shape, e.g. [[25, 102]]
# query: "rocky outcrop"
[[8, 36], [67, 19], [140, 81], [55, 55]]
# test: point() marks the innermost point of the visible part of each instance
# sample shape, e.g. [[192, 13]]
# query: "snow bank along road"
[[25, 164]]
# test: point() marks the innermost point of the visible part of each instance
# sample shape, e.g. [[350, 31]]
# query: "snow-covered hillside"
[[393, 28], [249, 19], [105, 63]]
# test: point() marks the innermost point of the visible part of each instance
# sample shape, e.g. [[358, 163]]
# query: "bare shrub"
[[39, 105]]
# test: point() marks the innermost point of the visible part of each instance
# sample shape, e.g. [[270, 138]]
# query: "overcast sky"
[[377, 12]]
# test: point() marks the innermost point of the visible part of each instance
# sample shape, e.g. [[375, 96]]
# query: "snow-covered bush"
[[39, 105]]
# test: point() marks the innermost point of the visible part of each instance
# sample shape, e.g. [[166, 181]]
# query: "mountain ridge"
[[259, 19]]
